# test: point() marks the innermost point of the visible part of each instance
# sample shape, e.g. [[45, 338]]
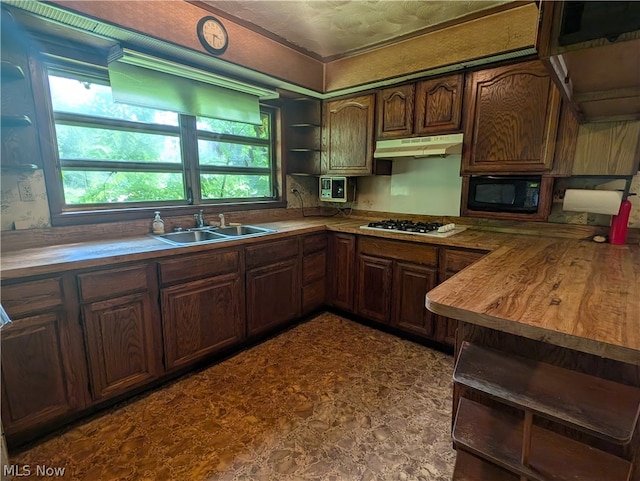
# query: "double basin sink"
[[212, 234]]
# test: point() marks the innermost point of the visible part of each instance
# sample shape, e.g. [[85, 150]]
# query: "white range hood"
[[441, 145]]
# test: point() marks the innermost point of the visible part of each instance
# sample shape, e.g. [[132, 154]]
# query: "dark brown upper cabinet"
[[439, 105], [348, 138], [395, 111], [511, 120], [427, 107]]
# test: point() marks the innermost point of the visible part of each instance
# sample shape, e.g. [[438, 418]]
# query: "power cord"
[[297, 192]]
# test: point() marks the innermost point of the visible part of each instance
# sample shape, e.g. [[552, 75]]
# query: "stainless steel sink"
[[191, 237], [242, 230], [220, 234]]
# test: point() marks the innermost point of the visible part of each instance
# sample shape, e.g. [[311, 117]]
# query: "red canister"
[[620, 223]]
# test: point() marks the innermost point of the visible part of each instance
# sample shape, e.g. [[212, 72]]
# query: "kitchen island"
[[548, 348]]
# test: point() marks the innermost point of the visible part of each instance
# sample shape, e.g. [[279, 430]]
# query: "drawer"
[[455, 260], [404, 251], [314, 267], [32, 296], [314, 242], [270, 252], [212, 263], [112, 282]]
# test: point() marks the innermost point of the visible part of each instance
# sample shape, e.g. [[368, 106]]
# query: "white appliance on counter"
[[337, 189]]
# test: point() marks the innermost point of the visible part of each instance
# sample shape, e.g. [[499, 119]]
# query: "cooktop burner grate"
[[411, 227], [406, 225]]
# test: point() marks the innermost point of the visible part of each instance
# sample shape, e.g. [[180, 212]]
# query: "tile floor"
[[328, 400]]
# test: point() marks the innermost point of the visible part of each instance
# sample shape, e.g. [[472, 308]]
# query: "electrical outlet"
[[25, 191]]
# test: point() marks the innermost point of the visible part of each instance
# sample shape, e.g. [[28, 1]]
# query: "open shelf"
[[471, 468], [497, 437], [11, 71], [15, 121], [602, 408], [303, 119], [19, 168], [304, 125]]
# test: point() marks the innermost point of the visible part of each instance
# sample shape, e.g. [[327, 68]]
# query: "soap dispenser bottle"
[[158, 224]]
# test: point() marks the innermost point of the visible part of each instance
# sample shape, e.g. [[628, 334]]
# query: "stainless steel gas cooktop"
[[432, 229]]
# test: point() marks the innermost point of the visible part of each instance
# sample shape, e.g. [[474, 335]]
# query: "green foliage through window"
[[112, 153]]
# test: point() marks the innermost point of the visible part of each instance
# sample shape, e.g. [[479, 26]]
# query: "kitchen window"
[[117, 157]]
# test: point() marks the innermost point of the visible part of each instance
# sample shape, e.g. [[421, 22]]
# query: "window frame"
[[56, 57]]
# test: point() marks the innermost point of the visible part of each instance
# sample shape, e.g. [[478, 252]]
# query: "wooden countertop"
[[57, 258], [575, 294]]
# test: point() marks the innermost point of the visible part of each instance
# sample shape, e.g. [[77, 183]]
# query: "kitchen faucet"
[[199, 219]]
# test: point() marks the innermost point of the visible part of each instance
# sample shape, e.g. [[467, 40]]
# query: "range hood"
[[441, 145]]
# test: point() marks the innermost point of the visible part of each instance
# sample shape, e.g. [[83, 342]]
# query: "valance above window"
[[147, 81]]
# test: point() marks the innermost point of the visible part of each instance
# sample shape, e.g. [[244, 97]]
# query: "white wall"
[[428, 186]]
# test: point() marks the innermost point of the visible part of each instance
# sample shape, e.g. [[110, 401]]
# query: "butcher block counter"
[[57, 258], [576, 294]]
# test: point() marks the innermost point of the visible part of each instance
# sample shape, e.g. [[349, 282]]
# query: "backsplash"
[[418, 186], [430, 186], [24, 201]]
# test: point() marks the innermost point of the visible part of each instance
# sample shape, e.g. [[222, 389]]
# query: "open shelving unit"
[[487, 435], [303, 120]]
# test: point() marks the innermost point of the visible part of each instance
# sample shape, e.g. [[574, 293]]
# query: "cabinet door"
[[201, 317], [349, 136], [411, 283], [439, 105], [340, 269], [273, 296], [511, 122], [120, 344], [374, 287], [451, 261], [395, 112], [37, 373], [446, 327], [314, 268]]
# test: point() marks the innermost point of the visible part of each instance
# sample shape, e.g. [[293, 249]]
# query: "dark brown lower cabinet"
[[201, 317], [273, 296], [341, 269], [120, 345], [37, 382], [374, 287], [44, 378], [121, 328], [314, 270], [450, 261], [411, 283], [393, 278]]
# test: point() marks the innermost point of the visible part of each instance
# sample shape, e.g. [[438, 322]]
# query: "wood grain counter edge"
[[578, 295], [590, 346]]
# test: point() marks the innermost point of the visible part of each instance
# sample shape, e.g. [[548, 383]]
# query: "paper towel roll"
[[593, 201]]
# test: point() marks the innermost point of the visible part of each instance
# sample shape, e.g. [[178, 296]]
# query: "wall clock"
[[212, 34]]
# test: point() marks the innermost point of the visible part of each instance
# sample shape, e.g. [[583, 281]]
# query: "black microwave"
[[504, 193]]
